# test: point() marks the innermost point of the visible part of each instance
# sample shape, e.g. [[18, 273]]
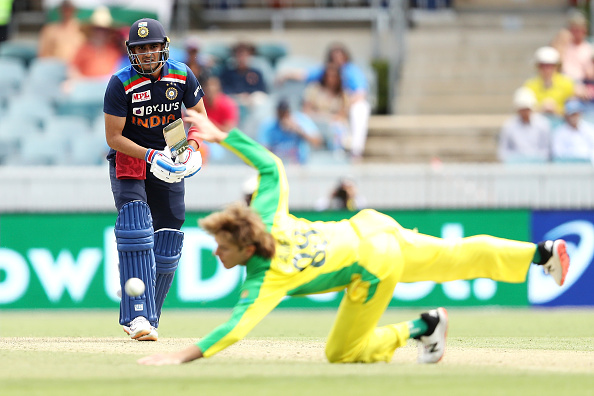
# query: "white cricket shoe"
[[152, 336], [558, 264], [432, 346], [139, 327]]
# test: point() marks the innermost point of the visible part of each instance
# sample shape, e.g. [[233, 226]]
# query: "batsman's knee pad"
[[135, 242], [168, 246]]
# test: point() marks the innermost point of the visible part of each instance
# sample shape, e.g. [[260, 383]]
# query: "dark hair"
[[332, 67], [337, 47]]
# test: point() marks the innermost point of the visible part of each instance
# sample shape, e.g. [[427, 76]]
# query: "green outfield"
[[490, 352]]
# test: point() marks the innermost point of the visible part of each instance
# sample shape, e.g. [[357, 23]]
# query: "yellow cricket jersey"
[[311, 257], [561, 89]]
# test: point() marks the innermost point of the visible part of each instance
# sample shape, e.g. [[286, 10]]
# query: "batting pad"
[[168, 246], [134, 237]]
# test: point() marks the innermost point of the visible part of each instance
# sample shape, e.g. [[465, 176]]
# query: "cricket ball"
[[134, 287]]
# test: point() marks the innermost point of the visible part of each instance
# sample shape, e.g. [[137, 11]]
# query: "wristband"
[[192, 135]]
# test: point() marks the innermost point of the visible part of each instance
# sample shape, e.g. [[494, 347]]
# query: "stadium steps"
[[457, 81], [426, 138]]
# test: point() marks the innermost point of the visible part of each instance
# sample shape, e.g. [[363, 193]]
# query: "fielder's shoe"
[[558, 264], [432, 345], [139, 327]]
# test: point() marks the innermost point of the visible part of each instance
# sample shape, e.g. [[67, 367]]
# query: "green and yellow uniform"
[[367, 254]]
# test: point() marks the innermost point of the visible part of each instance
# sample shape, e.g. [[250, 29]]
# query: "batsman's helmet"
[[147, 31]]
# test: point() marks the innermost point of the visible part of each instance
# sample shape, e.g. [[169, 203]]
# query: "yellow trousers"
[[394, 254]]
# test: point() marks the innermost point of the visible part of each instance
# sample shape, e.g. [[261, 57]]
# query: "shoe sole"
[[443, 311], [563, 259], [152, 336]]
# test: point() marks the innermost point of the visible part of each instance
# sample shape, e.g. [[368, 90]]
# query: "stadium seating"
[[12, 74], [30, 107], [272, 51], [86, 99], [17, 50]]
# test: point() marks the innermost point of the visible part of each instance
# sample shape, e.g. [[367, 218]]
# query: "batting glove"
[[192, 159], [163, 167]]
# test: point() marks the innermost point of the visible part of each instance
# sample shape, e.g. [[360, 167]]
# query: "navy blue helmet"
[[147, 31]]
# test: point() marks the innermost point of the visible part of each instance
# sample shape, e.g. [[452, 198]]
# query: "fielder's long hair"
[[242, 226]]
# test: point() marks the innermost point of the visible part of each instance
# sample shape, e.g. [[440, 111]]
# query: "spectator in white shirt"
[[525, 137], [573, 141]]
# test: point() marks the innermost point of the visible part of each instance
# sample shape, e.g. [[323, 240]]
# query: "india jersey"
[[150, 104]]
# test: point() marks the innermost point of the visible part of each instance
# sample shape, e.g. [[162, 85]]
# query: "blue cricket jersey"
[[149, 104]]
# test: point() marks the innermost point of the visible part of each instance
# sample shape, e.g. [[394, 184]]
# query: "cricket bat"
[[175, 137]]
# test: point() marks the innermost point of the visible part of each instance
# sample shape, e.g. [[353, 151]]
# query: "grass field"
[[490, 352]]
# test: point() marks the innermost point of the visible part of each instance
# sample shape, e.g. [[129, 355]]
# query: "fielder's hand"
[[163, 167], [192, 160]]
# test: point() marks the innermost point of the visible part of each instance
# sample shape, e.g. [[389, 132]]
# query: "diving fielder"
[[147, 184], [366, 255]]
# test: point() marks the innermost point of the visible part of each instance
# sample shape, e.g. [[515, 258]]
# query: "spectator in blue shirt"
[[289, 135]]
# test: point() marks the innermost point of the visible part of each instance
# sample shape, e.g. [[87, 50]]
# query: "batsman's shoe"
[[432, 346], [152, 336], [139, 327], [558, 264]]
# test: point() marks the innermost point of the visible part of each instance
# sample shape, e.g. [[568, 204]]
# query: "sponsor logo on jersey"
[[171, 93], [141, 96], [138, 307], [197, 89], [138, 111]]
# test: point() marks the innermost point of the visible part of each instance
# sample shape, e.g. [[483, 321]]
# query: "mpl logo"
[[577, 229], [141, 96]]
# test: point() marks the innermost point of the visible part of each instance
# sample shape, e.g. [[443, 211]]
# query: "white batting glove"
[[163, 167], [192, 159]]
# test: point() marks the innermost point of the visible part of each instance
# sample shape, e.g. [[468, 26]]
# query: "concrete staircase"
[[461, 69]]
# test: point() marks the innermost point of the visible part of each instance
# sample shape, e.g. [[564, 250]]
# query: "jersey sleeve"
[[270, 199], [194, 90], [115, 102], [256, 301]]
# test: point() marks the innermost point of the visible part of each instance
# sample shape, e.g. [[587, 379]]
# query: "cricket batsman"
[[367, 255], [147, 183]]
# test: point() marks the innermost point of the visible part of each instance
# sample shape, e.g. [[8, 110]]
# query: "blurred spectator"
[[221, 109], [5, 14], [100, 55], [344, 197], [245, 84], [354, 84], [551, 88], [525, 137], [574, 139], [328, 105], [576, 52], [239, 78], [197, 62], [290, 134], [62, 39]]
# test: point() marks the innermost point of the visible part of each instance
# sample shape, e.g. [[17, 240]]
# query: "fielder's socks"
[[417, 328], [544, 251]]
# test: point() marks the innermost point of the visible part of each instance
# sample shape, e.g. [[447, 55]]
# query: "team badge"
[[171, 93], [143, 31]]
